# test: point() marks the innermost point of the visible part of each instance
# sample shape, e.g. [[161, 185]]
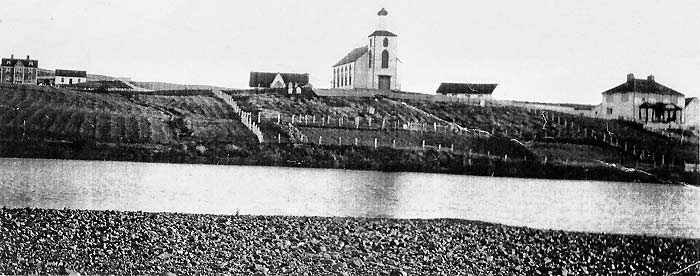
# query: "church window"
[[386, 42], [385, 59], [370, 59]]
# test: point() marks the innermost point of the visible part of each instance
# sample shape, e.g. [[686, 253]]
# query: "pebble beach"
[[47, 241]]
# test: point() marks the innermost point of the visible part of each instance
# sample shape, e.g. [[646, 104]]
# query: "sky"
[[548, 51]]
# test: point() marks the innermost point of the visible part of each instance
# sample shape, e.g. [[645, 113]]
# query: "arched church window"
[[385, 59], [386, 42]]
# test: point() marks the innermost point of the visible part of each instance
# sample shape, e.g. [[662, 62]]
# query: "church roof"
[[352, 56], [264, 79], [466, 88], [382, 33], [382, 12], [643, 86], [689, 100]]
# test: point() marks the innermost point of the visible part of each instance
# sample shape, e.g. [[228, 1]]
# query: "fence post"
[[340, 140], [293, 118], [279, 138], [375, 143], [423, 144], [258, 117], [306, 120], [434, 126], [545, 159], [505, 157], [323, 120], [356, 141], [439, 146], [313, 119], [452, 147], [383, 122], [319, 139], [393, 143], [370, 122]]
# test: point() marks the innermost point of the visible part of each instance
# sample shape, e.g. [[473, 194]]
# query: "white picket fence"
[[245, 117]]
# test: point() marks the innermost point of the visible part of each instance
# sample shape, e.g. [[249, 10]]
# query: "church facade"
[[373, 66]]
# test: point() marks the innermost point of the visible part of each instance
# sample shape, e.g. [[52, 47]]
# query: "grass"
[[46, 113]]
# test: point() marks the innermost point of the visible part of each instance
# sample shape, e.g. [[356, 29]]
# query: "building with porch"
[[691, 113], [15, 70], [642, 100], [372, 66]]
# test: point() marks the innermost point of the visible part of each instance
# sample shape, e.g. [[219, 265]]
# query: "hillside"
[[380, 133]]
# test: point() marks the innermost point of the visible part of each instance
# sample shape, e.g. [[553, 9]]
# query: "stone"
[[398, 273]]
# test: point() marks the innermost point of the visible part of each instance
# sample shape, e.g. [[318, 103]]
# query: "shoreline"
[[332, 157], [338, 169], [51, 241]]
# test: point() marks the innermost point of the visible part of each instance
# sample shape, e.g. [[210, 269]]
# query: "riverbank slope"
[[195, 126]]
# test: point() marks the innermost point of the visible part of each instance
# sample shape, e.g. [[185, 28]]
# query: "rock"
[[340, 266], [69, 272], [398, 273], [165, 256]]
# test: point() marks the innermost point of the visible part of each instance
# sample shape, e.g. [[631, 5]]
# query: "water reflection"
[[569, 205]]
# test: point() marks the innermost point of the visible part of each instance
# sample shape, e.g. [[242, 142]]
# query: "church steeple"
[[382, 17]]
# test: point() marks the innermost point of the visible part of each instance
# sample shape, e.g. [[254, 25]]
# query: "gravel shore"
[[109, 242]]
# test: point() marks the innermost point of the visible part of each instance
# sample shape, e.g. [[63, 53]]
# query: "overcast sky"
[[553, 51]]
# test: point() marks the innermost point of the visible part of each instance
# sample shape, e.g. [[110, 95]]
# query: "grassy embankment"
[[195, 127], [566, 148]]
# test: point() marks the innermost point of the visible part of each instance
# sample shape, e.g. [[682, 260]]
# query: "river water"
[[591, 206]]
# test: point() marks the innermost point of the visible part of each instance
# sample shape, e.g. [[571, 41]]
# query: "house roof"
[[466, 88], [352, 56], [643, 86], [32, 63], [264, 79], [71, 73], [381, 33], [688, 100]]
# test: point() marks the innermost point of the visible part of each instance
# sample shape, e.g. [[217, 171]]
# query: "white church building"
[[373, 66]]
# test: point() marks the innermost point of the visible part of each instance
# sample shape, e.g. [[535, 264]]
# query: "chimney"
[[12, 56], [630, 77], [650, 78], [27, 57]]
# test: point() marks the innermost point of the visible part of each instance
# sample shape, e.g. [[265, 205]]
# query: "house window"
[[386, 42], [370, 59], [385, 59], [609, 110], [63, 80]]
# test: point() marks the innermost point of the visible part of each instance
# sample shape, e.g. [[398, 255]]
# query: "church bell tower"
[[383, 67]]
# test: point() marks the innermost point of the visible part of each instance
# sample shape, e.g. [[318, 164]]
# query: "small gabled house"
[[278, 80], [642, 100], [68, 77], [467, 90]]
